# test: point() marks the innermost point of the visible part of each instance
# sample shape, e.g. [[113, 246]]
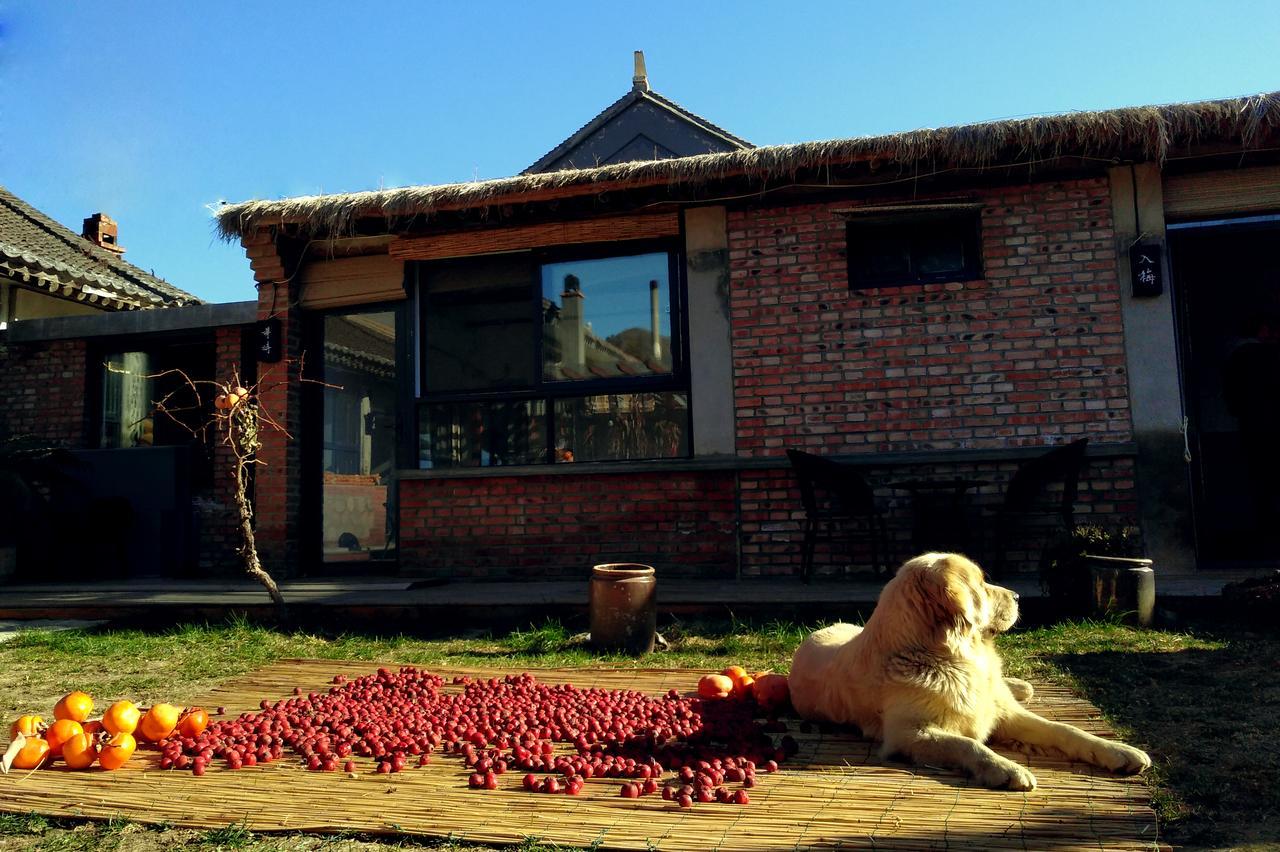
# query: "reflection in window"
[[359, 434], [481, 434], [127, 401], [606, 318], [600, 381], [478, 324], [610, 427]]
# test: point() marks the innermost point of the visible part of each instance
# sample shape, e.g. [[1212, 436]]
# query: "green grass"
[[1204, 702]]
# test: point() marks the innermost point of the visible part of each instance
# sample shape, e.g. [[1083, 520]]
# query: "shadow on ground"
[[1210, 720]]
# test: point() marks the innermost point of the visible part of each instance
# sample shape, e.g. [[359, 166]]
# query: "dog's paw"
[[1020, 689], [1121, 758], [1006, 775]]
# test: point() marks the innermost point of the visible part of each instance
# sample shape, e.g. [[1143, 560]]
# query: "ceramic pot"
[[1123, 585], [623, 607]]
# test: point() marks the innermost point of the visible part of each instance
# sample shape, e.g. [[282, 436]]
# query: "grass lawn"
[[1205, 703]]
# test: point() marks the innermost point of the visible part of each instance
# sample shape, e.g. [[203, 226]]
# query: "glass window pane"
[[480, 434], [622, 426], [359, 434], [878, 254], [128, 419], [606, 318], [939, 250], [478, 323]]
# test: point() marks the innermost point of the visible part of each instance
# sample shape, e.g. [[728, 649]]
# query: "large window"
[[552, 358], [914, 249]]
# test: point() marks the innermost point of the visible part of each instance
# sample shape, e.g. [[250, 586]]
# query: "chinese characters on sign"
[[1144, 265], [267, 334]]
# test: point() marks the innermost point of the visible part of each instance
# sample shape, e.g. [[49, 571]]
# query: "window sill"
[[891, 459], [577, 468]]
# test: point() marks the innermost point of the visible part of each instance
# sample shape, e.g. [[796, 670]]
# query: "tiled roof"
[[35, 249], [616, 108]]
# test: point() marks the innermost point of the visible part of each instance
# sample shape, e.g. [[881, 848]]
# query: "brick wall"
[[772, 516], [1031, 354], [43, 385], [277, 485], [560, 525], [215, 510], [1032, 351]]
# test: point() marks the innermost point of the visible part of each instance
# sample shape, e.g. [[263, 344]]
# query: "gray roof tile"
[[32, 245]]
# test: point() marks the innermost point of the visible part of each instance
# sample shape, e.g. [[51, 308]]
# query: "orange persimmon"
[[772, 692], [715, 686], [743, 687], [75, 706], [60, 732], [80, 751], [193, 722], [121, 718], [158, 722], [116, 752], [28, 726], [34, 752]]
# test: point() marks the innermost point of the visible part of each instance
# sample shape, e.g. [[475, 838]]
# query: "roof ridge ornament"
[[640, 79]]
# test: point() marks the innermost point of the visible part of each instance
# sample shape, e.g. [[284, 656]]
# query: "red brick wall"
[[277, 485], [215, 511], [772, 516], [560, 525], [1032, 351], [43, 385], [1031, 354]]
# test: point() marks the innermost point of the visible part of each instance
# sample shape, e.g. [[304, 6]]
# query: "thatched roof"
[[1146, 133]]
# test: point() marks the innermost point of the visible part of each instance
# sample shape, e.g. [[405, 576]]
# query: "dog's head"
[[949, 599]]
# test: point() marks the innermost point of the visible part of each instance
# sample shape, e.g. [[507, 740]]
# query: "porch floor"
[[406, 603]]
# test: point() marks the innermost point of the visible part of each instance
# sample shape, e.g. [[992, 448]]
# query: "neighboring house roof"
[[1135, 133], [37, 250], [640, 125]]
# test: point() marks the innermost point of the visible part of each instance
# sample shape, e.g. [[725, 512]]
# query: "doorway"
[[358, 439], [1227, 289]]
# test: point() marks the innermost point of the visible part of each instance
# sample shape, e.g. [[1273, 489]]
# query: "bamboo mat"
[[834, 794]]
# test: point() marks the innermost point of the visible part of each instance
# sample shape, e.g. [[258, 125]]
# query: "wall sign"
[[267, 333], [1146, 268]]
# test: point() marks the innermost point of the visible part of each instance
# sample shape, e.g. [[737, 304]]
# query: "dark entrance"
[[1227, 286]]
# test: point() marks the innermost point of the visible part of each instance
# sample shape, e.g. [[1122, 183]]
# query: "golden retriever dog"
[[923, 677]]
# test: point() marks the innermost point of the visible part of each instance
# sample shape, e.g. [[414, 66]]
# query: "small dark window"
[[914, 250]]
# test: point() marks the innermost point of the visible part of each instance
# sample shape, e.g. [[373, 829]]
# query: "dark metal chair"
[[1032, 507], [835, 495]]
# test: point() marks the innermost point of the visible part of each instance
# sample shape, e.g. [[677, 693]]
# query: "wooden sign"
[[1146, 269], [267, 334]]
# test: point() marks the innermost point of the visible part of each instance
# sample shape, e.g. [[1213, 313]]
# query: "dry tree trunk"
[[245, 444]]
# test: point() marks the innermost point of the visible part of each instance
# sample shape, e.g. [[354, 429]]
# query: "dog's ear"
[[943, 598]]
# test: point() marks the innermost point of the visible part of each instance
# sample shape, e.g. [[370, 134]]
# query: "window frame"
[[549, 390], [908, 226]]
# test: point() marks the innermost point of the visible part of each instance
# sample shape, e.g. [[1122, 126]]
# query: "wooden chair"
[[1029, 505], [835, 495]]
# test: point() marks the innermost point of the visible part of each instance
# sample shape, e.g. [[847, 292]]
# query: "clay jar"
[[623, 606], [1123, 585]]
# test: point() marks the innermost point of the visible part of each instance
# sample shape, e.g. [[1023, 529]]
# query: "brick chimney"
[[101, 230]]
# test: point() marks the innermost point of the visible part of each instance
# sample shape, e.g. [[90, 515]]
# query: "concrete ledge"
[[1125, 449], [113, 323]]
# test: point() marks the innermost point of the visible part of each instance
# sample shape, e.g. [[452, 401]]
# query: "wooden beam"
[[494, 240]]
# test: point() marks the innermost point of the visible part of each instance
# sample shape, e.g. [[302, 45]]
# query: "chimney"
[[572, 329], [654, 330], [640, 79], [101, 230]]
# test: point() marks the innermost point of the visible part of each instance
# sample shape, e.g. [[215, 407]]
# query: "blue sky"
[[152, 111]]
